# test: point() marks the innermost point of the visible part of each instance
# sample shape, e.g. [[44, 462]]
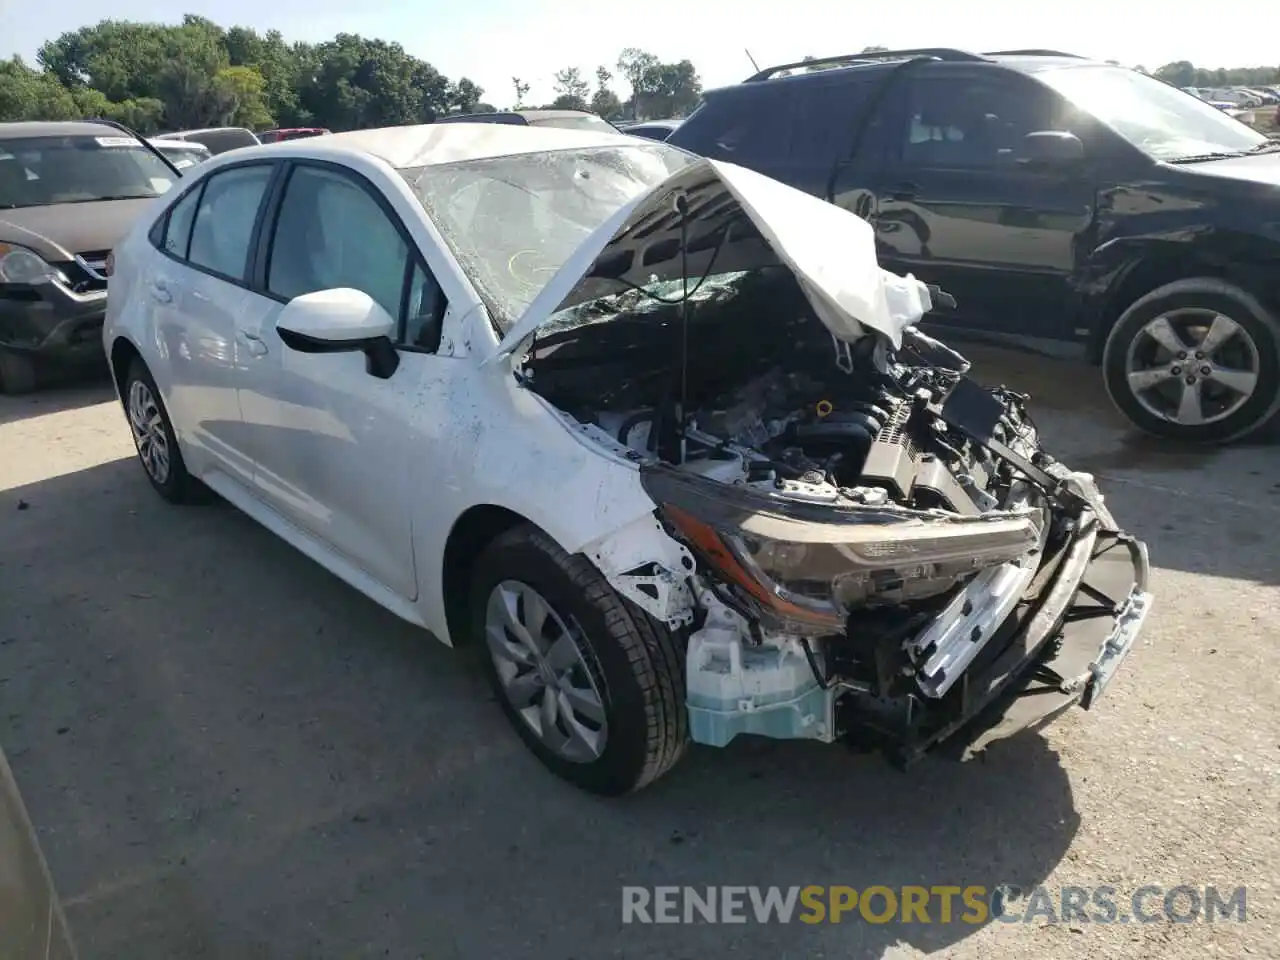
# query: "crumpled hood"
[[830, 250]]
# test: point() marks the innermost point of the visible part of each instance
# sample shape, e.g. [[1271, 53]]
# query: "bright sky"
[[492, 41]]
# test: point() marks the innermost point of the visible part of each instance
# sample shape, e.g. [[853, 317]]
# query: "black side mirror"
[[1051, 148]]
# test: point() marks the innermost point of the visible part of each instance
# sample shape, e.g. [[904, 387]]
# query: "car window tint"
[[331, 233], [971, 122], [177, 235], [823, 118], [746, 129], [424, 313], [224, 223]]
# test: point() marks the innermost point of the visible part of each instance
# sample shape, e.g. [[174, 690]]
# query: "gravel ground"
[[228, 753]]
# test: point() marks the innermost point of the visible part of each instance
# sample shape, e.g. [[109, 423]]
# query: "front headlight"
[[20, 265], [810, 574]]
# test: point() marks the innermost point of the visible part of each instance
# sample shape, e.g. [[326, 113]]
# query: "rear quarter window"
[[825, 116], [747, 126]]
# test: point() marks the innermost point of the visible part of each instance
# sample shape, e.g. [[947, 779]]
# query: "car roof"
[[1022, 61], [428, 144], [186, 133], [58, 128]]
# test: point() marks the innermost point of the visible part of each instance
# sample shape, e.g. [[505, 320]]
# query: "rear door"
[[197, 288], [955, 207]]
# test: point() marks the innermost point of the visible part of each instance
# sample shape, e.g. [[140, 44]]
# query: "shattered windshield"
[[1163, 122], [512, 222]]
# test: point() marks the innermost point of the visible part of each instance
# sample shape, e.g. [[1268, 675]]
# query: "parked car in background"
[[182, 153], [291, 133], [774, 509], [566, 119], [1241, 98], [650, 129], [217, 139], [32, 923], [68, 193], [1066, 204]]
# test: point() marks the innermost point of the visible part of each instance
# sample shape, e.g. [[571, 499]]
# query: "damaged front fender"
[[652, 570]]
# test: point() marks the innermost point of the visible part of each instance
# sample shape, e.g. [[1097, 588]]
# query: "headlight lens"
[[812, 574], [20, 265]]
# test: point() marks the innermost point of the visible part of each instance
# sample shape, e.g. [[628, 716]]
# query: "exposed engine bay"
[[875, 533]]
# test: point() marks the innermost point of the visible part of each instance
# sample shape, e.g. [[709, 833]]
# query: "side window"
[[971, 122], [823, 118], [424, 310], [331, 233], [224, 222], [177, 232], [745, 129]]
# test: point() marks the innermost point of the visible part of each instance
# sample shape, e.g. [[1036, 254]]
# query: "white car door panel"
[[199, 292], [330, 441]]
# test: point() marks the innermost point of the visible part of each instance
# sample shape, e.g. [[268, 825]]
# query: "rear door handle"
[[904, 191], [160, 292], [255, 344]]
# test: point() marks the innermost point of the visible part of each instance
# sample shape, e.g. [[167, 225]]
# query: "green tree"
[[241, 98], [1180, 74], [604, 102], [464, 96], [637, 67], [280, 66], [571, 90], [28, 94], [522, 90]]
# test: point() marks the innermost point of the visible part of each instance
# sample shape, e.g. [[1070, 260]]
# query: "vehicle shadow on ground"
[[60, 391], [230, 754]]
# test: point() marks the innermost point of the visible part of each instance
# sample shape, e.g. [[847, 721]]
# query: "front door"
[[334, 445], [956, 208]]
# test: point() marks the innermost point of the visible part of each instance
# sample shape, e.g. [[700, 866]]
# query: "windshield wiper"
[[1266, 146], [113, 196], [1199, 157]]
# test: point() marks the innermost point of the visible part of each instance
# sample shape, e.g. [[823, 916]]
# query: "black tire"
[[1205, 293], [635, 661], [178, 486], [17, 373]]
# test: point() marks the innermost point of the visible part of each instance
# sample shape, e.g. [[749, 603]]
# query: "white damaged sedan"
[[656, 431]]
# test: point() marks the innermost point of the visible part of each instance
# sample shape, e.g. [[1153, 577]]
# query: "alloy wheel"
[[148, 431], [1192, 366], [541, 666]]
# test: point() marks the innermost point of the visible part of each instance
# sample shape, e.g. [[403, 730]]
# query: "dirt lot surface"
[[228, 753]]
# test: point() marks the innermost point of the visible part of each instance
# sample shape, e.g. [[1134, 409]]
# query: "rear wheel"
[[592, 684], [1197, 360], [17, 373], [155, 441]]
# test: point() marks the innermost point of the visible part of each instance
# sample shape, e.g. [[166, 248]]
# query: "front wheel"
[[1197, 360], [592, 684]]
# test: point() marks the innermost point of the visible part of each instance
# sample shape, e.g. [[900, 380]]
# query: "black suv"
[[1065, 203]]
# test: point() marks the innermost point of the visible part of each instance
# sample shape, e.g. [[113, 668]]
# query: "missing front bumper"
[[1068, 653]]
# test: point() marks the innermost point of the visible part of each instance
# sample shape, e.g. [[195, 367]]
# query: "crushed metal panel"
[[649, 568]]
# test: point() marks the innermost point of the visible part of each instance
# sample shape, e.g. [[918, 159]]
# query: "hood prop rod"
[[682, 208]]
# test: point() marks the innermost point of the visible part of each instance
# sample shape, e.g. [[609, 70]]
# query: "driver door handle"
[[255, 344], [904, 191]]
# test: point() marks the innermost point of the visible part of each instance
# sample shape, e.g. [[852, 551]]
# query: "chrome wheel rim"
[[148, 431], [1193, 366], [544, 676]]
